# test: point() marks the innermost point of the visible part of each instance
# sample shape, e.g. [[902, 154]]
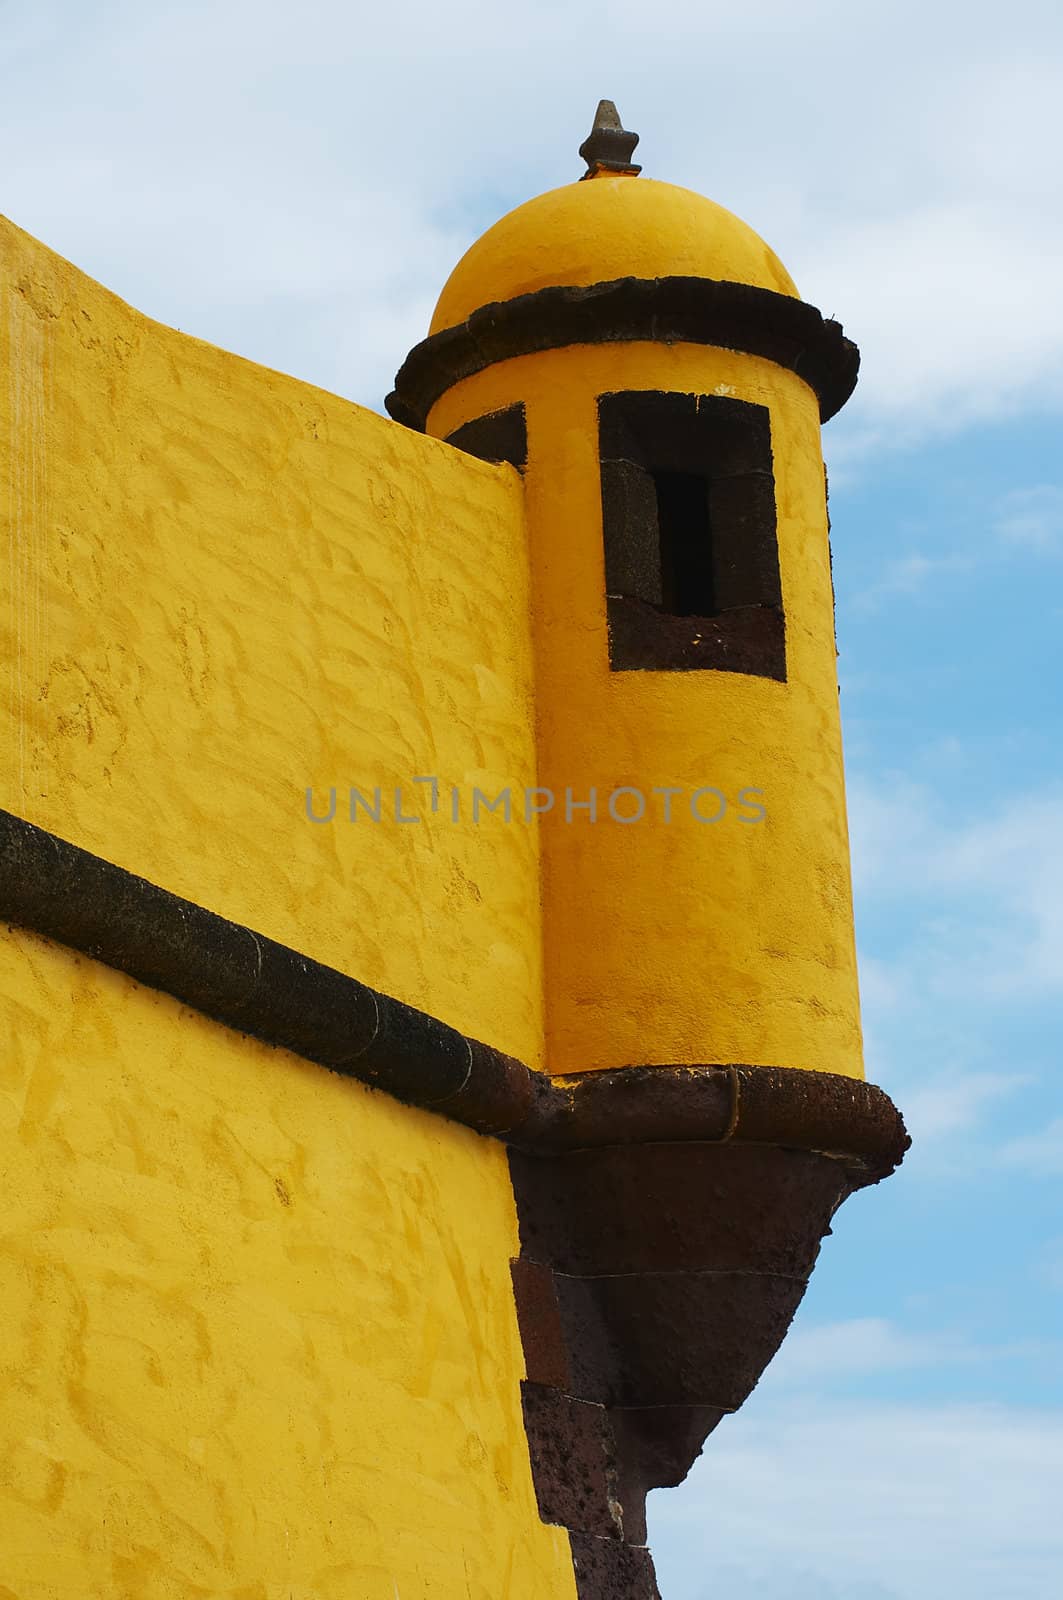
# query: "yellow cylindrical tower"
[[645, 357]]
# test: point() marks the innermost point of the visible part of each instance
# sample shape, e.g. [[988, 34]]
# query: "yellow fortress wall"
[[258, 1330], [259, 1335], [224, 586]]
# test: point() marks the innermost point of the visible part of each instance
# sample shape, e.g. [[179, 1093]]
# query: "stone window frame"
[[497, 436], [654, 441]]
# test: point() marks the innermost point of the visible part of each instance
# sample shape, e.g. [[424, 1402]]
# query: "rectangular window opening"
[[689, 526], [685, 536]]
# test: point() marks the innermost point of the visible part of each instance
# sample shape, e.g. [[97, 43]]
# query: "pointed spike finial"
[[609, 147]]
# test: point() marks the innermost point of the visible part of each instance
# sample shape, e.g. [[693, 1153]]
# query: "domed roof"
[[603, 228]]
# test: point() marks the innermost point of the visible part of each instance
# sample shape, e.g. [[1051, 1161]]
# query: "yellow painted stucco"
[[222, 586], [684, 941], [606, 228], [258, 1330]]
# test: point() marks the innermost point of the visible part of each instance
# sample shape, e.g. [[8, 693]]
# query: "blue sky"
[[295, 183], [912, 1426]]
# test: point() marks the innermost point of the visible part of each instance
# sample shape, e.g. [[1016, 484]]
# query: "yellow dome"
[[604, 228]]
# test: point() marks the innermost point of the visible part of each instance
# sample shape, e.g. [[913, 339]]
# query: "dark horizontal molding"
[[730, 316], [252, 983], [796, 1108], [265, 989]]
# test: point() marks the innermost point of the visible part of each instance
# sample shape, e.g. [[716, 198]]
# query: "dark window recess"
[[688, 587], [498, 436], [691, 554]]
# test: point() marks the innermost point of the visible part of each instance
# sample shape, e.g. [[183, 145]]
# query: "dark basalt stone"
[[571, 1447], [576, 1209], [608, 1570], [609, 146], [674, 1338], [497, 436], [850, 1120], [749, 639], [656, 1446], [539, 1318], [656, 1282], [731, 316]]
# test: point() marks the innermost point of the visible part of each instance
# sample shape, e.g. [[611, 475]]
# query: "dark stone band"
[[259, 987], [732, 316], [252, 983]]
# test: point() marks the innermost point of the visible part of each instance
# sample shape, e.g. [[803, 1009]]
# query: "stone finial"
[[608, 147]]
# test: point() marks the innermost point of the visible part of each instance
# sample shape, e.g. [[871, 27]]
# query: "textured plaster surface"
[[687, 941], [259, 1335], [220, 587]]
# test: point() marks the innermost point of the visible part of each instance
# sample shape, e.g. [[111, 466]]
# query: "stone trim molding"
[[260, 987], [731, 316]]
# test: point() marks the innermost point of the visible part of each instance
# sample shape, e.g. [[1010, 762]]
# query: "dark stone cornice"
[[733, 316], [263, 988], [252, 983], [654, 1285]]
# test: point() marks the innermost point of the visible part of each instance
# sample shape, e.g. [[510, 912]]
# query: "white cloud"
[[964, 917], [910, 575], [815, 1356], [830, 1499], [941, 346], [1033, 518], [1024, 522], [988, 891], [778, 1580], [296, 182], [1013, 865], [861, 1345], [895, 826], [1040, 1153], [951, 1103]]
